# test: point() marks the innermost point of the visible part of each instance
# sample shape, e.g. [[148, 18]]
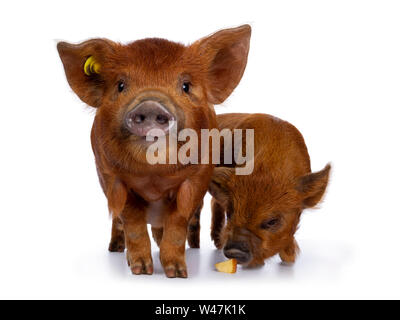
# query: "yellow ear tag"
[[91, 66]]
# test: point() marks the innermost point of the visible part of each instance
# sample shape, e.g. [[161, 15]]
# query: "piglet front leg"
[[137, 240], [172, 247]]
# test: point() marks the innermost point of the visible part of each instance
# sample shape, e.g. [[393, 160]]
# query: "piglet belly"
[[155, 214]]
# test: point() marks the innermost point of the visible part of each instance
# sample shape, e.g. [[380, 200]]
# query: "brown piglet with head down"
[[263, 208], [149, 84]]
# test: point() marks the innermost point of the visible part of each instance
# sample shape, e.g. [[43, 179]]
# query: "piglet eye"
[[121, 86], [270, 223], [186, 87]]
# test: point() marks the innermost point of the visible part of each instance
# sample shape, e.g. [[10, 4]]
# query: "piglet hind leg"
[[157, 235], [217, 224], [289, 254], [137, 240], [194, 228], [117, 242]]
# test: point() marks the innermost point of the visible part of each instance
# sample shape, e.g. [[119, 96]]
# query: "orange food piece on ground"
[[229, 266]]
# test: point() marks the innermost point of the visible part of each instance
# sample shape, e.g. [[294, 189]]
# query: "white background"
[[332, 68]]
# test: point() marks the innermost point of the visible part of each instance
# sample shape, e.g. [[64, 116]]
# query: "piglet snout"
[[147, 116], [239, 251]]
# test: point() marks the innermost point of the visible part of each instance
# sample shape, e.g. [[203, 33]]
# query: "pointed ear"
[[312, 186], [218, 186], [83, 68], [225, 54]]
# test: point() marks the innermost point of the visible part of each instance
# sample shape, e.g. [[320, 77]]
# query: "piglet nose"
[[238, 250], [146, 116]]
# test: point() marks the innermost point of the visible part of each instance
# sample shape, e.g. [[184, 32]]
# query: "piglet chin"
[[253, 264], [150, 134], [244, 263]]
